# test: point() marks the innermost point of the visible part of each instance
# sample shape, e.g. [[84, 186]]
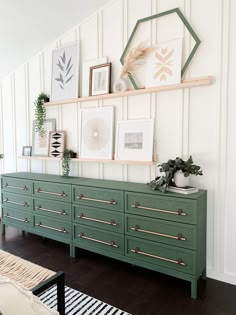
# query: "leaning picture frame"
[[40, 144], [65, 72], [26, 151], [100, 79], [134, 140], [96, 133]]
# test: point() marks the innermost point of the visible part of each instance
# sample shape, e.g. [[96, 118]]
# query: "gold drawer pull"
[[179, 212], [51, 228], [111, 202], [179, 261], [21, 220], [112, 243], [112, 222], [50, 210], [62, 194], [15, 187], [178, 237], [16, 203]]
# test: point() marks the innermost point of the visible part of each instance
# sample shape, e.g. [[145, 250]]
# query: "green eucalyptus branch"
[[40, 113]]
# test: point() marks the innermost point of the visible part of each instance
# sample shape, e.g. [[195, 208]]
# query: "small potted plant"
[[40, 112], [66, 160], [174, 173], [1, 156]]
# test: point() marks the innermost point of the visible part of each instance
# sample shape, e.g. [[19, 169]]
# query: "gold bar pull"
[[51, 228], [13, 218], [82, 197], [62, 194], [16, 203], [179, 261], [179, 212], [178, 237], [15, 187], [50, 210], [112, 222], [112, 243]]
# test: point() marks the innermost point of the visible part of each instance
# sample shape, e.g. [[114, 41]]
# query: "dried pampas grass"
[[134, 58]]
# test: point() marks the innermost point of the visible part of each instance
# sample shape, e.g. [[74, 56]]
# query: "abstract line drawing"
[[65, 67], [164, 63]]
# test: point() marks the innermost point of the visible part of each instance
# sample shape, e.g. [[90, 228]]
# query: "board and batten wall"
[[199, 121]]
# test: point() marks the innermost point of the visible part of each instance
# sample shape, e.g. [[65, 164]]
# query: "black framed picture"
[[27, 151]]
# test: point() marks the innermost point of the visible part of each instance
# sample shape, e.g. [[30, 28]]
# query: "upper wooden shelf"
[[201, 81]]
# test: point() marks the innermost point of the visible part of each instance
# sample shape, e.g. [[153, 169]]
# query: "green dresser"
[[165, 232]]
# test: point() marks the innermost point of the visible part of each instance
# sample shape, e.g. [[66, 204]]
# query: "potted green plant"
[[1, 156], [40, 112], [170, 169], [66, 160]]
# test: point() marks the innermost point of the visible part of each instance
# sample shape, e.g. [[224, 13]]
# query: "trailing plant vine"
[[40, 113], [66, 160]]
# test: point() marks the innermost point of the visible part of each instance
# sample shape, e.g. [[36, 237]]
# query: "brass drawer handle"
[[50, 210], [62, 194], [112, 222], [111, 202], [179, 261], [21, 220], [51, 228], [16, 203], [179, 212], [178, 237], [15, 187], [112, 243]]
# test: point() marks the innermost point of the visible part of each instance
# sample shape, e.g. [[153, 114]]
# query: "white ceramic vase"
[[180, 180], [120, 85]]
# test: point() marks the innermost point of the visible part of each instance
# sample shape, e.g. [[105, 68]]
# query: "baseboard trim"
[[224, 277]]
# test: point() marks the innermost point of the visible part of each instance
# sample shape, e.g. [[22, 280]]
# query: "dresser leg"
[[2, 228], [194, 289], [72, 251], [203, 275]]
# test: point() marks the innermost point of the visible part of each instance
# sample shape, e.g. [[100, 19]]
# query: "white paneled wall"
[[198, 121]]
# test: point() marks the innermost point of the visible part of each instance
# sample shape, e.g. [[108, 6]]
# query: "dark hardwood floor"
[[133, 289]]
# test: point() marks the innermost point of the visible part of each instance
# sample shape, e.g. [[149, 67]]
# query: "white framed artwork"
[[86, 71], [134, 140], [65, 72], [40, 144], [163, 66], [96, 133]]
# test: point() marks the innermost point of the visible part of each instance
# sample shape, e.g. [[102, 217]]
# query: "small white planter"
[[180, 179]]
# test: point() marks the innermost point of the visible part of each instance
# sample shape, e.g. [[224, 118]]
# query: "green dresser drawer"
[[172, 233], [16, 185], [19, 219], [17, 202], [167, 208], [54, 209], [53, 191], [98, 218], [53, 228], [98, 197], [91, 237], [171, 257]]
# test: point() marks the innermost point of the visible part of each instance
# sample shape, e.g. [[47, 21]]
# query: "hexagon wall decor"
[[156, 16]]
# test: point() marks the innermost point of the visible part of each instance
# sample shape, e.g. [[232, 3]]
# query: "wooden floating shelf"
[[47, 158], [201, 81]]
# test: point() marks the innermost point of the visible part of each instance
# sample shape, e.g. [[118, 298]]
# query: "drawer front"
[[53, 191], [17, 218], [16, 185], [105, 240], [53, 227], [17, 202], [98, 218], [167, 232], [173, 209], [54, 209], [97, 197], [171, 257]]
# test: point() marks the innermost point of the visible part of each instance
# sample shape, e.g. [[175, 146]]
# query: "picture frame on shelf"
[[57, 143], [100, 79], [86, 73], [134, 140], [65, 72], [40, 144], [96, 133], [27, 151]]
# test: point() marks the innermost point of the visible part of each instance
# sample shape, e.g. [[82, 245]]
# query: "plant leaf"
[[68, 71], [69, 79]]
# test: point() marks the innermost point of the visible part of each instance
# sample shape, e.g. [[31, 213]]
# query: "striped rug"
[[78, 303]]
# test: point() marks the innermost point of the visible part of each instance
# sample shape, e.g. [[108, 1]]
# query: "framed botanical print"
[[65, 72], [40, 144]]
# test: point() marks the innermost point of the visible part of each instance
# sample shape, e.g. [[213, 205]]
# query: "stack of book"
[[183, 190]]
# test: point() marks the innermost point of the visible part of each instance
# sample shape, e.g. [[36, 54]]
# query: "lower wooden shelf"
[[47, 158]]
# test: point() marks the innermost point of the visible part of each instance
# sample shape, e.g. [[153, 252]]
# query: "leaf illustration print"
[[65, 68]]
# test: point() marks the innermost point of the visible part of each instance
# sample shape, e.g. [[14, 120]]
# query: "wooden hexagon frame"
[[156, 16]]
